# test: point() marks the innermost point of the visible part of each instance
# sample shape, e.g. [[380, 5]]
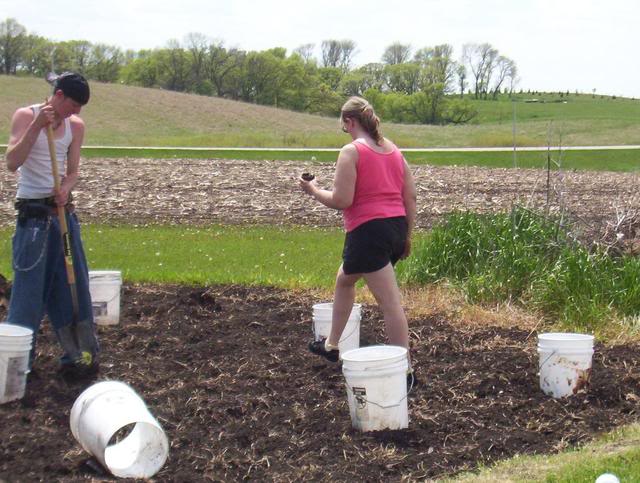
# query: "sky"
[[558, 45]]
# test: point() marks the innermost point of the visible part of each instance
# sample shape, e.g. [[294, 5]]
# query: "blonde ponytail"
[[360, 109]]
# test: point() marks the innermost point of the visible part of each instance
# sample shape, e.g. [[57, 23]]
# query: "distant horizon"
[[554, 44]]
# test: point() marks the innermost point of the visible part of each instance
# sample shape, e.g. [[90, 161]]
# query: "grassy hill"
[[133, 116]]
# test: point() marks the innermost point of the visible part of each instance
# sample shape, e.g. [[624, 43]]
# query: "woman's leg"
[[343, 298], [384, 288]]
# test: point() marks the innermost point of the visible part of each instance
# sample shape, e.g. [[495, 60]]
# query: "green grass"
[[625, 160], [209, 255], [617, 452], [526, 258], [551, 106], [120, 115]]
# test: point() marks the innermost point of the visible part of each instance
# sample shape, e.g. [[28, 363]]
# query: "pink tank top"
[[379, 186]]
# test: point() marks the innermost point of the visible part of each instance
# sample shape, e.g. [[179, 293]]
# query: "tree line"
[[425, 86]]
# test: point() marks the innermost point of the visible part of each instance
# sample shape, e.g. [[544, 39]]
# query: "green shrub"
[[527, 258]]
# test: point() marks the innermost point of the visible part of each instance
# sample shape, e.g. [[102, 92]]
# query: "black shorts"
[[372, 245]]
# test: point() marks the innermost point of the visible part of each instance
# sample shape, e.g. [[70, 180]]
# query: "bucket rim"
[[355, 355], [14, 331], [329, 305], [564, 337], [104, 274]]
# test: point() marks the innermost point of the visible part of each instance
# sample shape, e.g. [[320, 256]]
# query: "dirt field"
[[226, 372], [235, 191]]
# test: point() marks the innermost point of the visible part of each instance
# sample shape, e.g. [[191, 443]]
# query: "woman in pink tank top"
[[374, 188]]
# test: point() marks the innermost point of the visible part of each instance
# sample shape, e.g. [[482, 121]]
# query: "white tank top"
[[35, 178]]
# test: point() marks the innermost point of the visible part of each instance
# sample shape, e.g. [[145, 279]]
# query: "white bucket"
[[376, 380], [15, 345], [322, 317], [564, 363], [106, 408], [104, 286]]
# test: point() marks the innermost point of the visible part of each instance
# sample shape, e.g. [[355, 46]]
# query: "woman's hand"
[[309, 187]]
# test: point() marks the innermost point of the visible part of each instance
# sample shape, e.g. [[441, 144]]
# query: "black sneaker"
[[317, 347]]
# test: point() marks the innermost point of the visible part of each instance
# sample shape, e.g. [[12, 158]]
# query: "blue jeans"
[[40, 282]]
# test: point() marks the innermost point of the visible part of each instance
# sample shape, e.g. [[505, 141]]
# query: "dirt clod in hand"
[[307, 176]]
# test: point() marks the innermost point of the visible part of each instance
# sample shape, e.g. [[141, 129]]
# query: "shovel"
[[78, 335]]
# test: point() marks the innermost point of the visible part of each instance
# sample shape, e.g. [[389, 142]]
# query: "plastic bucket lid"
[[14, 332], [373, 357], [328, 307], [559, 340], [104, 276], [324, 312]]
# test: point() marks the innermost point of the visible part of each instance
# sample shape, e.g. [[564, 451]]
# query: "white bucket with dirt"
[[112, 422], [322, 317], [376, 380], [104, 286], [15, 345], [564, 363]]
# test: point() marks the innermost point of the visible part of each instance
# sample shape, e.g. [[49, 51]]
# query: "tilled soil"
[[226, 372], [206, 191]]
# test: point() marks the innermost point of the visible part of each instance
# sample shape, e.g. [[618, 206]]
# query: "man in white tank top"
[[40, 282]]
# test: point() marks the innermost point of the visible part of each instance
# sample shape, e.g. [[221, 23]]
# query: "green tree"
[[174, 65], [104, 63], [81, 55], [374, 76], [12, 45], [404, 78], [263, 78], [36, 55], [438, 66], [353, 83], [331, 76], [197, 45], [142, 70], [396, 53], [223, 68], [481, 61], [338, 53]]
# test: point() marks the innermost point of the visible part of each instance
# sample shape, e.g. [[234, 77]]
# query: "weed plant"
[[526, 257]]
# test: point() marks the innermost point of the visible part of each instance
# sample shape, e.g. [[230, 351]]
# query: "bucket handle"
[[547, 359], [383, 406], [353, 331]]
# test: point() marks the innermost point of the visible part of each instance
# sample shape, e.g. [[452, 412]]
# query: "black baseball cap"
[[72, 85]]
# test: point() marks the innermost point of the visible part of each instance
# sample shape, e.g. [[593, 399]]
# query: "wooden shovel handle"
[[66, 239]]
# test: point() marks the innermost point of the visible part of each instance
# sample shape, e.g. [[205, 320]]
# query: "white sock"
[[329, 347]]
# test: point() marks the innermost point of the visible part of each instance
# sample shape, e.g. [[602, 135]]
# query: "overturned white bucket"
[[564, 363], [322, 317], [15, 345], [104, 286], [376, 380], [109, 409]]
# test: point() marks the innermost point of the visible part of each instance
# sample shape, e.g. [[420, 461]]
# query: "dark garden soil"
[[226, 372]]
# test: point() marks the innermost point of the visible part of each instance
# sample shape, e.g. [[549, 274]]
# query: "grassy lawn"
[[209, 255], [617, 452]]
